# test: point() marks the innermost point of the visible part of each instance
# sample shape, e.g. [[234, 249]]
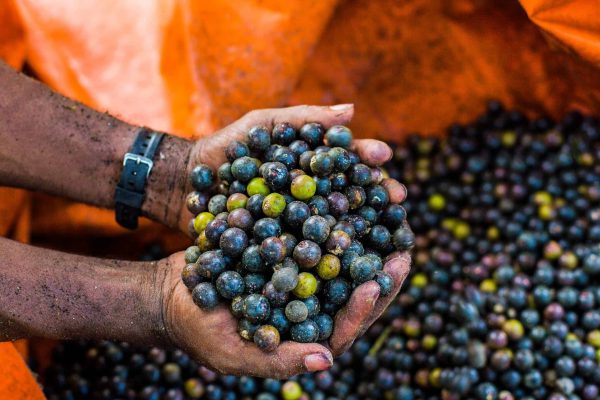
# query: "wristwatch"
[[137, 165]]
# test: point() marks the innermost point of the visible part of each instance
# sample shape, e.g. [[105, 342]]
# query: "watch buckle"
[[139, 160]]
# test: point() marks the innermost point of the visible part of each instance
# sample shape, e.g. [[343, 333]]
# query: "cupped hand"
[[211, 150], [211, 337]]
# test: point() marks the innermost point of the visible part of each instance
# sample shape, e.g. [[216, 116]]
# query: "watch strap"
[[137, 165]]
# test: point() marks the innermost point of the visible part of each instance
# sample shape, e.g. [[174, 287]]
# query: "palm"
[[211, 337]]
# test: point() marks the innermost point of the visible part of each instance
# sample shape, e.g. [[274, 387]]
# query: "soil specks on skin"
[[71, 107]]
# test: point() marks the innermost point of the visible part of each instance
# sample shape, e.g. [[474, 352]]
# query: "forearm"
[[56, 295], [56, 145]]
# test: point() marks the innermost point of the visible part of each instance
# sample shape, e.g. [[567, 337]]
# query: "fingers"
[[360, 313], [398, 266], [372, 152], [352, 319], [396, 190], [209, 150], [290, 358], [339, 114]]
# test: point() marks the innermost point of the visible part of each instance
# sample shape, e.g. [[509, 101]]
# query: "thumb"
[[351, 320], [289, 359]]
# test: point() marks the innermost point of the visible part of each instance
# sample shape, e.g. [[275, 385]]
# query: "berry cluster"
[[297, 224], [503, 301]]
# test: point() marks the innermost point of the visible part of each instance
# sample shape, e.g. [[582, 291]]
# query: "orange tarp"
[[189, 67], [16, 382]]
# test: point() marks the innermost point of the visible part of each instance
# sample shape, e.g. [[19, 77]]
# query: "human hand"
[[211, 337], [365, 306], [210, 150]]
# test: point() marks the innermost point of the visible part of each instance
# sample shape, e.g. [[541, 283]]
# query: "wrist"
[[128, 302], [151, 279], [134, 311], [167, 183], [64, 296]]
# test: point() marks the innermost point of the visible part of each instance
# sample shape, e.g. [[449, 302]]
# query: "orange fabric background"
[[190, 67]]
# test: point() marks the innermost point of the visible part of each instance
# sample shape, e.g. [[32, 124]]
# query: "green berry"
[[236, 200], [436, 202], [202, 220], [514, 329], [194, 388], [273, 205], [203, 243], [328, 267], [291, 390], [303, 187], [257, 186], [307, 285]]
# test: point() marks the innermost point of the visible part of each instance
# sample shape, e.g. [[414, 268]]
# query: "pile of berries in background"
[[503, 300], [298, 223]]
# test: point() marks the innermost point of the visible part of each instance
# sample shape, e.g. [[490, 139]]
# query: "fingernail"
[[341, 107], [396, 190], [404, 189], [318, 362]]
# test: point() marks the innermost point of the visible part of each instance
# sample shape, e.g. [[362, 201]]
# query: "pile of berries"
[[297, 224], [503, 301]]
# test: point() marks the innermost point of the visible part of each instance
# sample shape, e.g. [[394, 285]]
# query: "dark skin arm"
[[58, 146], [62, 296]]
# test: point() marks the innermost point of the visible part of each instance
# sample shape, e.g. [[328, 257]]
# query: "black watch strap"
[[137, 164]]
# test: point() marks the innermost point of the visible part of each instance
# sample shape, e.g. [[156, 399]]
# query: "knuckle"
[[252, 114], [281, 368], [305, 109]]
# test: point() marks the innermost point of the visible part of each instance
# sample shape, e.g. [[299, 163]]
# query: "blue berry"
[[235, 150], [305, 332], [325, 324], [201, 177], [230, 284], [362, 269], [283, 133], [259, 138], [279, 320], [256, 308], [385, 281], [316, 229], [338, 136], [205, 296]]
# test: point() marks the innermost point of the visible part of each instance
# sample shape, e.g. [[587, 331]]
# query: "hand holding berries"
[[215, 150], [493, 329], [210, 334], [266, 196]]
